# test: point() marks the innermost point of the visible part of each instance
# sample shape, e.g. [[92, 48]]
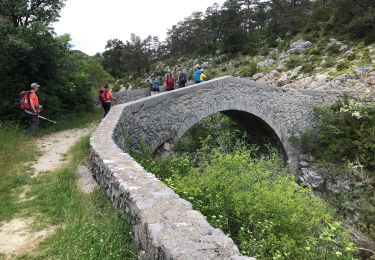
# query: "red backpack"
[[25, 101], [170, 82], [104, 95]]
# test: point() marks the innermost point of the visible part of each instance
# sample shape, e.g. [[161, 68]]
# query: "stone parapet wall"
[[126, 95]]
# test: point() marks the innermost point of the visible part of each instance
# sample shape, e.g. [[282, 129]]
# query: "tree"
[[112, 58], [27, 12], [29, 52]]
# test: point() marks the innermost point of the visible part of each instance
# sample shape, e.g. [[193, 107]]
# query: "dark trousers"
[[34, 124], [106, 106], [181, 84]]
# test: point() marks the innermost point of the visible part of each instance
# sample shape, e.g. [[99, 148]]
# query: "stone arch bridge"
[[166, 226]]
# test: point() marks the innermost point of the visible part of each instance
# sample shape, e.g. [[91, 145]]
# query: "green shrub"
[[255, 201], [307, 67], [370, 38], [333, 49], [257, 204], [347, 132], [351, 56], [329, 62], [315, 51], [293, 61], [249, 70], [342, 65]]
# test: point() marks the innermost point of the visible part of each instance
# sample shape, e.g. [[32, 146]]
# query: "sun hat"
[[34, 85]]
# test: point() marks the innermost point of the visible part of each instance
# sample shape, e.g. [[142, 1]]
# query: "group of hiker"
[[181, 78], [30, 102]]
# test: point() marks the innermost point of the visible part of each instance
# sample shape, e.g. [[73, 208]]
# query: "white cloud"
[[92, 22]]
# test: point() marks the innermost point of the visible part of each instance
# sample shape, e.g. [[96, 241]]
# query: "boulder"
[[257, 76], [299, 46], [344, 48], [266, 63], [310, 178], [283, 81]]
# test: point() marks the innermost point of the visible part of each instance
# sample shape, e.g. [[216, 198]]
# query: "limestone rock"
[[311, 178], [266, 63], [283, 81], [257, 76], [299, 46]]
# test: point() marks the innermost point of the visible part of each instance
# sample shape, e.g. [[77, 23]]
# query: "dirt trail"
[[54, 147], [15, 235]]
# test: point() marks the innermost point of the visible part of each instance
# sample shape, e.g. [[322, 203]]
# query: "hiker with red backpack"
[[30, 104], [106, 97], [169, 82]]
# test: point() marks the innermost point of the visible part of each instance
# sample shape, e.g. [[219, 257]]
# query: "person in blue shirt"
[[154, 86], [197, 75]]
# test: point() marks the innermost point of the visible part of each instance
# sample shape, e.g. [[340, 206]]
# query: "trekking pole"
[[42, 117]]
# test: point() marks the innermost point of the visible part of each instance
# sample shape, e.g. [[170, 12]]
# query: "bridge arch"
[[249, 119]]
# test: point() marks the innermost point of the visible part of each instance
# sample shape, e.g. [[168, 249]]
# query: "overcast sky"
[[92, 22]]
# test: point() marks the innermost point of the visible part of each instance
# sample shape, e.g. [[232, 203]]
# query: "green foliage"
[[307, 67], [236, 42], [91, 70], [350, 123], [93, 232], [248, 27], [30, 12], [333, 49], [255, 201], [16, 148], [342, 65], [30, 53], [293, 61], [315, 51], [329, 62], [249, 70]]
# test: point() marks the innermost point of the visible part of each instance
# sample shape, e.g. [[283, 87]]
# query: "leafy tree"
[[27, 12], [112, 57], [29, 52]]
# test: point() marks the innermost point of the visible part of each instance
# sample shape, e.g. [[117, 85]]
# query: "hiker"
[[202, 77], [154, 86], [106, 97], [182, 79], [35, 108], [169, 82], [197, 75]]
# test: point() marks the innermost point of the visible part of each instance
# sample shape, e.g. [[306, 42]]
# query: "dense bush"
[[293, 61], [249, 70], [257, 204], [255, 201], [345, 149], [347, 133]]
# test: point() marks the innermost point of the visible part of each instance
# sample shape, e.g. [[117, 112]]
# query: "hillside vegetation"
[[242, 33]]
